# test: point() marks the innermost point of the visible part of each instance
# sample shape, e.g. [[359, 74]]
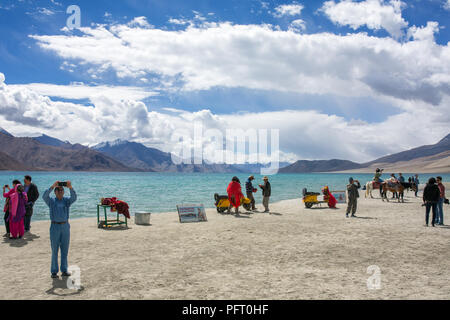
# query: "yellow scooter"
[[222, 203]]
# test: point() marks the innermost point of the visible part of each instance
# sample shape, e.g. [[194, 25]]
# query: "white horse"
[[369, 188]]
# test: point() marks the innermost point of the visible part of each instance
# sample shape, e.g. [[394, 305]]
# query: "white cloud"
[[447, 5], [317, 135], [375, 14], [293, 9], [46, 11], [261, 57], [179, 21], [139, 22], [424, 33], [298, 25], [81, 91]]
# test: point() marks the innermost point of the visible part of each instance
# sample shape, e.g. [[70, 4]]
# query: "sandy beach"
[[294, 253]]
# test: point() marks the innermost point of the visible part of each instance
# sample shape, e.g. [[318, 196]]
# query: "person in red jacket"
[[235, 194], [327, 196]]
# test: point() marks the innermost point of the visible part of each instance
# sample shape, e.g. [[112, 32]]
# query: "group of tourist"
[[20, 201], [433, 199], [18, 211], [393, 180], [18, 207], [235, 195], [433, 195]]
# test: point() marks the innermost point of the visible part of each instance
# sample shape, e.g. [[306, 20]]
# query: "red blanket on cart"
[[117, 205]]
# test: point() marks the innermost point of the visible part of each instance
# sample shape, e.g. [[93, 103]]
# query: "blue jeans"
[[59, 239], [440, 211]]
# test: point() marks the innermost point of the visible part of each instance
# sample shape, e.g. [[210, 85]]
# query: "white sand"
[[296, 253]]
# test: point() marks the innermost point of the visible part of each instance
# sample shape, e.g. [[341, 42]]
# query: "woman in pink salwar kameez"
[[18, 198]]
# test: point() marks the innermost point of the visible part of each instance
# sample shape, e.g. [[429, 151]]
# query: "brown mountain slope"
[[8, 163], [43, 157], [438, 163]]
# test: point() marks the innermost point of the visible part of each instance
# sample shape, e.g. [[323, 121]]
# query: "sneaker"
[[65, 274], [6, 235], [353, 216], [346, 215], [54, 275]]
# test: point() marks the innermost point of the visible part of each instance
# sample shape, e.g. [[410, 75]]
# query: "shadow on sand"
[[19, 243], [116, 228], [365, 218], [275, 213], [60, 289]]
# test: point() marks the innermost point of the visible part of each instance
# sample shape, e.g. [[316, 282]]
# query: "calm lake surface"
[[161, 192]]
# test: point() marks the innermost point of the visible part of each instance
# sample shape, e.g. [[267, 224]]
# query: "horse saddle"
[[392, 184], [376, 184]]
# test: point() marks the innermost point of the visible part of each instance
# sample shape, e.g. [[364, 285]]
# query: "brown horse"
[[398, 187]]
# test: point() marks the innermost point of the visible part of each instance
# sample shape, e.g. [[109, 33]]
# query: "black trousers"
[[428, 206], [27, 219], [6, 222]]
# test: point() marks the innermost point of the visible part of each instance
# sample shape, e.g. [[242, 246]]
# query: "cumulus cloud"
[[301, 132], [424, 33], [209, 55], [139, 22], [292, 9], [298, 25], [375, 14]]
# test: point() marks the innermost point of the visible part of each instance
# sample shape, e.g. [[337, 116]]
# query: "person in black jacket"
[[431, 195], [267, 192], [33, 194]]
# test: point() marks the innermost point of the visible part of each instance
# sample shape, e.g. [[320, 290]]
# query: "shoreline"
[[294, 253], [94, 216]]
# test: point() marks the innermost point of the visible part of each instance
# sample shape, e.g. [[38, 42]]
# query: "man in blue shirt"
[[60, 227]]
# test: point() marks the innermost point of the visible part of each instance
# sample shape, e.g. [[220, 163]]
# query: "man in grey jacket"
[[266, 191], [353, 195]]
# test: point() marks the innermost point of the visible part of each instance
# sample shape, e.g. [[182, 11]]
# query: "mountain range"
[[431, 158], [50, 154]]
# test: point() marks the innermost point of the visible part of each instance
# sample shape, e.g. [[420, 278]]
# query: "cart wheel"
[[308, 205], [218, 209], [247, 206]]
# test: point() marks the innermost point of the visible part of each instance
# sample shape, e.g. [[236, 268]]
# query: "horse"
[[370, 186], [409, 186], [398, 187]]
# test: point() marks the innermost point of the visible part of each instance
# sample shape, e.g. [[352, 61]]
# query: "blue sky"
[[274, 62]]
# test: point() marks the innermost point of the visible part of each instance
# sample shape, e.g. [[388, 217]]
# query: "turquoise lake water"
[[161, 192]]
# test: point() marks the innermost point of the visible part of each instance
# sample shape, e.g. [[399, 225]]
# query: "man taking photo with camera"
[[60, 227]]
